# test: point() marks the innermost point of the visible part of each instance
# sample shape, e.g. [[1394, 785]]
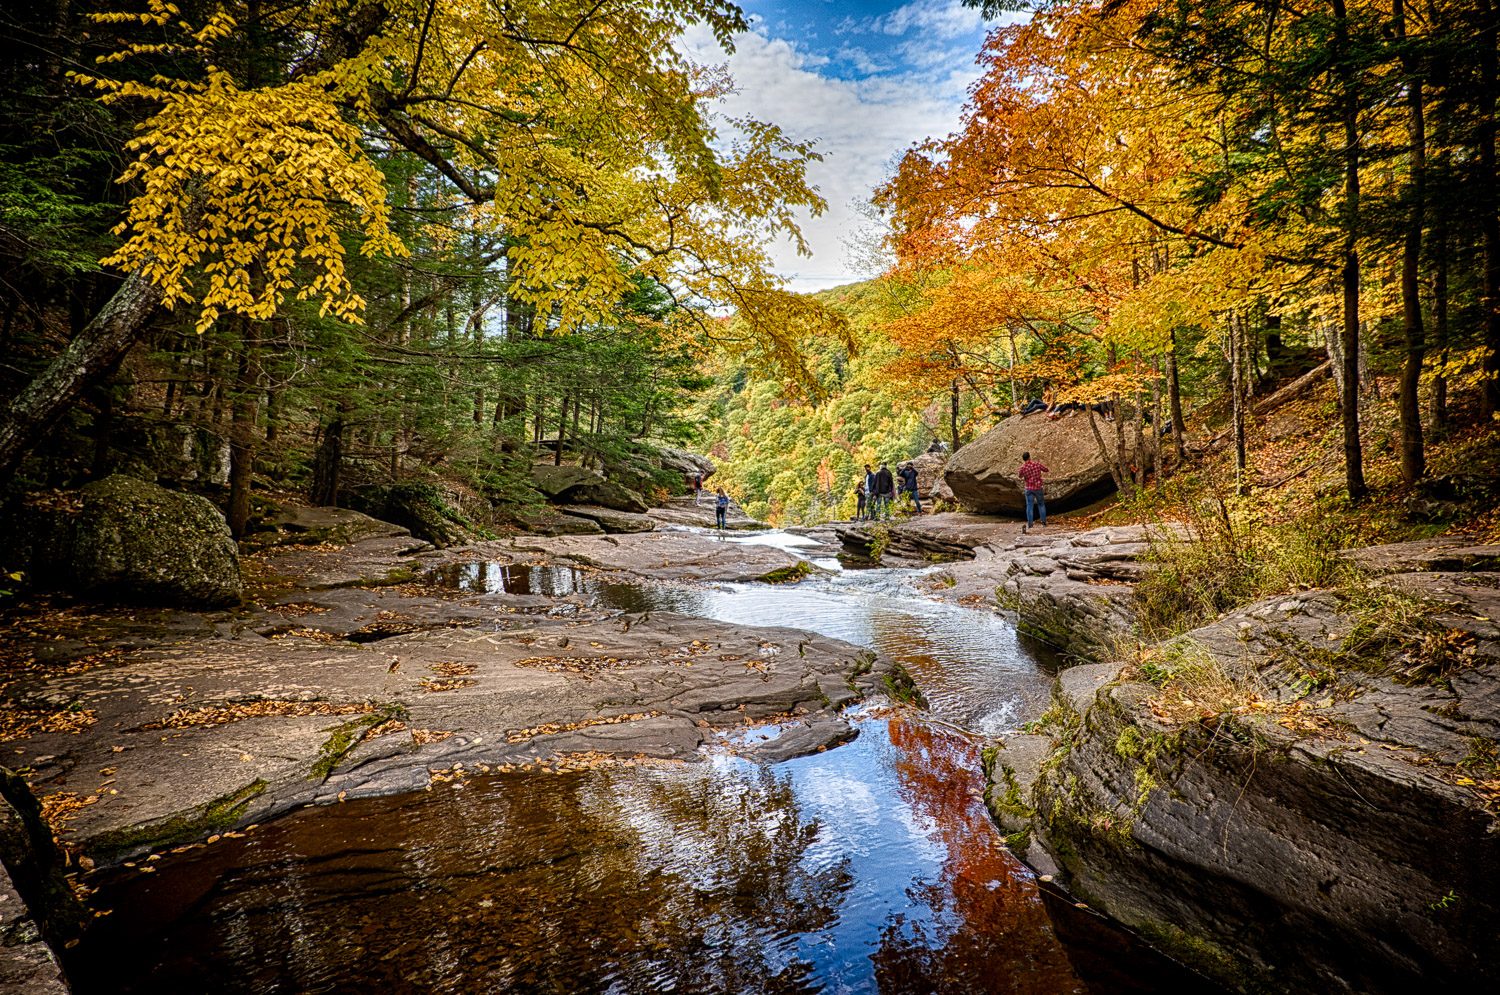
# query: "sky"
[[865, 81]]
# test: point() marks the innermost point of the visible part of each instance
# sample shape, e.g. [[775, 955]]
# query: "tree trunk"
[[1439, 248], [1156, 426], [1413, 459], [1489, 397], [1354, 470], [242, 435], [1174, 396], [1122, 470], [562, 430], [329, 461], [1237, 397], [953, 414], [92, 353]]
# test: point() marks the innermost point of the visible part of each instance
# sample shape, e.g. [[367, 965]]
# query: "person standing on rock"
[[721, 509], [1031, 475], [861, 499], [909, 485], [697, 489], [885, 491]]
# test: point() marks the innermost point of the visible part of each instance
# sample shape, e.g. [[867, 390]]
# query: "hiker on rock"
[[861, 501], [1030, 473], [885, 491], [909, 485], [721, 509]]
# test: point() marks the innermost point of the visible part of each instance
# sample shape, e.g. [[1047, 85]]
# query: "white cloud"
[[946, 19], [861, 127]]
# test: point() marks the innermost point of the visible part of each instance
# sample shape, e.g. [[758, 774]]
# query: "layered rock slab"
[[1323, 835], [191, 724]]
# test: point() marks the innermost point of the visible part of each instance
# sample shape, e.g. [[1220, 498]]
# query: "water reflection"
[[614, 880], [971, 665], [552, 580]]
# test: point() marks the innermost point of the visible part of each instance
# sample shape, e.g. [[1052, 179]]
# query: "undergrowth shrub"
[[1222, 554]]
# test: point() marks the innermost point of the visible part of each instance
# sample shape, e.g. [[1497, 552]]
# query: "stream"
[[870, 867]]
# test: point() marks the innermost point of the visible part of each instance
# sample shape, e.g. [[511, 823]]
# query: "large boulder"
[[138, 542], [609, 519], [551, 522], [300, 525], [553, 481], [686, 463], [983, 473], [607, 494], [930, 468]]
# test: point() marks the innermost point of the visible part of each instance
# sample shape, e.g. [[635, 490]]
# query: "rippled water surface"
[[870, 867]]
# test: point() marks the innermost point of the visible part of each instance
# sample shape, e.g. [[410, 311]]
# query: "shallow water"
[[870, 867]]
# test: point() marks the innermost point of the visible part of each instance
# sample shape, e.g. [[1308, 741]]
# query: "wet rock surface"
[[350, 677], [38, 911], [27, 965], [1335, 830]]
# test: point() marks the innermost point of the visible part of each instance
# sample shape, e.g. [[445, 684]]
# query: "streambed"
[[869, 867]]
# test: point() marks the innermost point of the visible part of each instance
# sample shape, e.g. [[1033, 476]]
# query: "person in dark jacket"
[[861, 500], [721, 509], [909, 485], [885, 491]]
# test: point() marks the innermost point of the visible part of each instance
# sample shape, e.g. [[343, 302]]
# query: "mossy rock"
[[137, 542], [418, 507]]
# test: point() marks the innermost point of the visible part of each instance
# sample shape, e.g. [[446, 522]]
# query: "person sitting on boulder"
[[1031, 475], [1032, 406], [721, 509]]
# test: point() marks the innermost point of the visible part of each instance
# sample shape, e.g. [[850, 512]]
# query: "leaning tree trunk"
[[92, 354]]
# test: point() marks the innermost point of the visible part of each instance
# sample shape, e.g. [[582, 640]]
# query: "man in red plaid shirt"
[[1031, 473]]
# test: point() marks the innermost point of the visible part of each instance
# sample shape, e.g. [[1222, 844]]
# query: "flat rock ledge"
[[351, 676], [952, 535], [1337, 831], [1072, 590]]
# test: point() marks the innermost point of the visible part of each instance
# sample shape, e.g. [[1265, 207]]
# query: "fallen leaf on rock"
[[452, 669], [212, 715], [430, 686], [19, 723]]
